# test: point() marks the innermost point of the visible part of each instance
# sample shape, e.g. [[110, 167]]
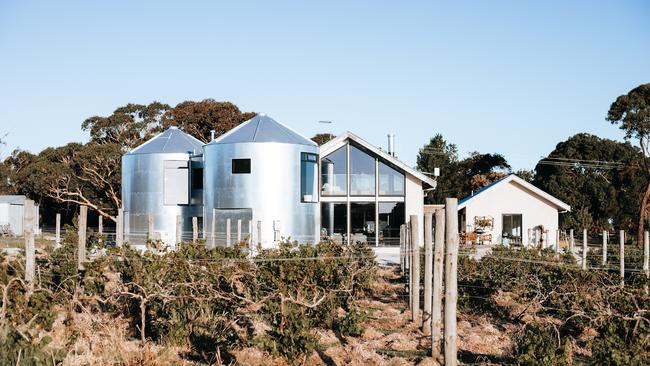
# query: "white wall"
[[415, 202], [512, 198]]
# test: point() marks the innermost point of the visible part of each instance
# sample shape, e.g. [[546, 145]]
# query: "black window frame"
[[311, 158], [237, 168]]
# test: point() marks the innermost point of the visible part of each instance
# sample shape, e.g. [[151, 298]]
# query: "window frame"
[[305, 158], [238, 160]]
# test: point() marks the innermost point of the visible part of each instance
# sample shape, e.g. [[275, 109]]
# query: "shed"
[[12, 213], [510, 211]]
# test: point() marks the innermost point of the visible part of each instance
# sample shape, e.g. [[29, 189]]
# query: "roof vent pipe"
[[212, 135], [391, 144]]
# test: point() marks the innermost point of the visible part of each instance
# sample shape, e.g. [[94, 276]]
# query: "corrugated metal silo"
[[163, 177], [262, 171]]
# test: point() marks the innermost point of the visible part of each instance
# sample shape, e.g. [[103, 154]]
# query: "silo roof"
[[262, 128], [169, 142]]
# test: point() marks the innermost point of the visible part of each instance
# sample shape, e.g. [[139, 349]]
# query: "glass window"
[[334, 221], [308, 180], [391, 182], [333, 173], [241, 166], [511, 232], [391, 217], [362, 173], [362, 222], [176, 182]]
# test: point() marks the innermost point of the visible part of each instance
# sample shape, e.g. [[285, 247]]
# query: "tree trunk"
[[642, 214]]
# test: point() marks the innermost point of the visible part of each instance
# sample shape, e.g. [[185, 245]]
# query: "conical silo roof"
[[169, 142], [262, 128]]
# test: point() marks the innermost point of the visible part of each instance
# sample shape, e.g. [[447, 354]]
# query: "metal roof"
[[262, 128], [13, 199], [169, 142]]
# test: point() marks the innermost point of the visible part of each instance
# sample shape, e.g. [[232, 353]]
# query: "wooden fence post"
[[213, 229], [250, 237], [621, 239], [604, 262], [428, 272], [572, 243], [228, 232], [401, 248], [179, 231], [438, 270], [584, 249], [127, 226], [409, 261], [57, 238], [557, 241], [530, 237], [30, 249], [646, 254], [451, 277], [415, 305], [259, 233], [81, 247], [119, 228], [195, 229], [100, 227], [150, 226], [238, 231]]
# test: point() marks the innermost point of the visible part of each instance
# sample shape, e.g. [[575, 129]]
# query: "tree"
[[128, 126], [459, 178], [322, 138], [595, 174], [631, 112], [199, 118]]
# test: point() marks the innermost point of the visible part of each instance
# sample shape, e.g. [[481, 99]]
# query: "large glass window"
[[334, 221], [391, 182], [308, 177], [511, 232], [362, 173], [176, 185], [391, 217], [334, 169], [363, 227]]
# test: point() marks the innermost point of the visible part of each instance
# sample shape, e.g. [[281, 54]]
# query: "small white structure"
[[12, 212], [511, 211]]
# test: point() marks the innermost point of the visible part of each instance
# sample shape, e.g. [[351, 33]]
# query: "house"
[[12, 213], [367, 193], [510, 211]]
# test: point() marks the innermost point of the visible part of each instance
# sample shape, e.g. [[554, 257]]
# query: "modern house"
[[269, 183], [12, 214], [510, 211]]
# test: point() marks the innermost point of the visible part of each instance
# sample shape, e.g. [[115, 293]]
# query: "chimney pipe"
[[212, 135], [391, 144]]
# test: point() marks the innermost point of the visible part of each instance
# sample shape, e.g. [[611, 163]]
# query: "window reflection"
[[362, 222], [308, 174], [391, 182], [362, 173], [334, 222], [391, 217], [334, 173]]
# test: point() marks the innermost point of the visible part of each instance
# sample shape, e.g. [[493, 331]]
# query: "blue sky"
[[514, 77]]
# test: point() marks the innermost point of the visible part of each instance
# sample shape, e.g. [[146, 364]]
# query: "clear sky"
[[514, 77]]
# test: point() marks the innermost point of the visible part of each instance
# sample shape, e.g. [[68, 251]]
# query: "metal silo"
[[262, 171], [163, 177]]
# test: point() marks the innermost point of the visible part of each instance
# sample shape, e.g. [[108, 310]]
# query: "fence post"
[[100, 227], [409, 260], [415, 305], [646, 254], [228, 232], [238, 231], [436, 304], [530, 237], [57, 240], [451, 276], [127, 226], [259, 233], [621, 239], [195, 229], [428, 272], [213, 229], [572, 243], [81, 247], [584, 249], [401, 248], [30, 249], [250, 237], [557, 241], [119, 228], [150, 226], [179, 231], [605, 234]]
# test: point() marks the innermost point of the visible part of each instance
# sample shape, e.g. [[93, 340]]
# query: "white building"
[[510, 211], [367, 193], [12, 213]]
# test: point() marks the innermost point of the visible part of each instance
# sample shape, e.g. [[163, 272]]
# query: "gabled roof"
[[169, 142], [13, 199], [262, 128], [527, 186], [340, 140]]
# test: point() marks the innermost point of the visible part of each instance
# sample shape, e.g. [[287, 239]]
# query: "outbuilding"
[[510, 211], [12, 214]]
